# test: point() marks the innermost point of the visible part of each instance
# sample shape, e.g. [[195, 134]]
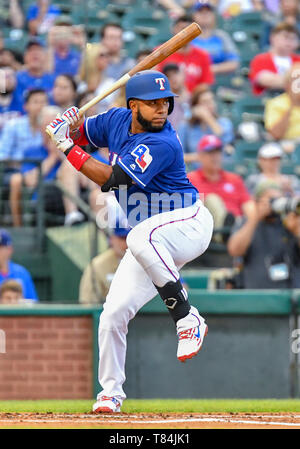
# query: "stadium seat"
[[146, 21], [135, 45], [250, 22], [65, 6], [122, 7], [15, 39], [247, 150], [248, 108], [159, 38]]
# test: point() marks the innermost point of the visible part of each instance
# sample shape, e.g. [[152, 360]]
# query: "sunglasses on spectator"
[[103, 55]]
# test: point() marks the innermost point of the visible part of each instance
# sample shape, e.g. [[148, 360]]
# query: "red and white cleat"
[[190, 341], [107, 404]]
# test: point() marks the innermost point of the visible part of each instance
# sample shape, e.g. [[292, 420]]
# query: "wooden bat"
[[162, 52]]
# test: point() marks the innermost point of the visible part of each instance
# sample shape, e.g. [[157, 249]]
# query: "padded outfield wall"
[[51, 350]]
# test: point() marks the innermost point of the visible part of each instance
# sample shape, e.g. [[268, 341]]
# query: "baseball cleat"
[[107, 405], [190, 341]]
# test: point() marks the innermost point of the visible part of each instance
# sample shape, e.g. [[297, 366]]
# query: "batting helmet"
[[150, 85]]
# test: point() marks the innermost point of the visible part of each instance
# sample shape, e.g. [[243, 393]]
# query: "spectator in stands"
[[112, 39], [218, 43], [49, 157], [11, 270], [23, 133], [41, 16], [267, 70], [204, 120], [174, 8], [181, 109], [269, 162], [11, 292], [99, 82], [11, 14], [272, 5], [289, 13], [111, 36], [10, 107], [268, 244], [34, 76], [224, 193], [9, 59], [195, 62], [64, 91], [97, 276], [282, 113], [62, 57]]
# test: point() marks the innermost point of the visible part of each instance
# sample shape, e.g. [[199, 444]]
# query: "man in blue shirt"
[[218, 43], [10, 106], [170, 225], [63, 58], [22, 133], [41, 16], [34, 76], [11, 270]]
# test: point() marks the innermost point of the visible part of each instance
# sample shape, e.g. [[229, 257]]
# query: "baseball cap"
[[34, 41], [209, 143], [270, 150], [5, 238], [200, 5]]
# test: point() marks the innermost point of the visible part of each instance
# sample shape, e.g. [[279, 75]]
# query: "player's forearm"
[[96, 171]]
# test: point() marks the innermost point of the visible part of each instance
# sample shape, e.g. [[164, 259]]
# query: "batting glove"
[[71, 116], [60, 133]]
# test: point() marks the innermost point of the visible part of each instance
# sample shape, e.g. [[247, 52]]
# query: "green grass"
[[159, 406]]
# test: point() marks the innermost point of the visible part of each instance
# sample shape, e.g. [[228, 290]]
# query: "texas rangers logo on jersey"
[[161, 82], [143, 157]]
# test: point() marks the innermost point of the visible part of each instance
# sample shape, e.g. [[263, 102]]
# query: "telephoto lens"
[[283, 206]]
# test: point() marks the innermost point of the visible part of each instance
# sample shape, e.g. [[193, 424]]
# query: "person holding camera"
[[268, 241]]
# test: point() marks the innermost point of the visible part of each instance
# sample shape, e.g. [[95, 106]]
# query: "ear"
[[133, 105]]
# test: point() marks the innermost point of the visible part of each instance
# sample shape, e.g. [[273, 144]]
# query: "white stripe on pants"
[[157, 248]]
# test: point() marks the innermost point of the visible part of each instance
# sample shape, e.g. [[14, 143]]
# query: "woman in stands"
[[64, 91], [204, 120]]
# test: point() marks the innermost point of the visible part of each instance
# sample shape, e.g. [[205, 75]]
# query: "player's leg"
[[162, 245], [131, 288]]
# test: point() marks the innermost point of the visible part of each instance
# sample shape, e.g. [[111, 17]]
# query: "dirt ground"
[[151, 421]]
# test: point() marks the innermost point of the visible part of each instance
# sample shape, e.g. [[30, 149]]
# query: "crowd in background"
[[61, 65]]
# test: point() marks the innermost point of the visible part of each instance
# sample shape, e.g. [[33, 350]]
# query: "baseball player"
[[170, 225]]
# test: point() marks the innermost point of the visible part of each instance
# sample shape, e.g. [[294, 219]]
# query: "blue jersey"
[[26, 82], [154, 161], [20, 274]]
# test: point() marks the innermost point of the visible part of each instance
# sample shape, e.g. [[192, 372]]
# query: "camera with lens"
[[283, 206]]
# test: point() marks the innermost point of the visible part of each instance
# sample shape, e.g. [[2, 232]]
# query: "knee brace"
[[175, 297]]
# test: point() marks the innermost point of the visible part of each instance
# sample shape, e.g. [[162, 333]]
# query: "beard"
[[147, 126]]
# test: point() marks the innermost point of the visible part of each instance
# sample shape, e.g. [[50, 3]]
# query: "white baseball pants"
[[157, 248]]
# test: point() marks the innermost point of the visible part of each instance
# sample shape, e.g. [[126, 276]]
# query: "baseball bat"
[[162, 52]]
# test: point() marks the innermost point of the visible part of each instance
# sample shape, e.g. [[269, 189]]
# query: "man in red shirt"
[[195, 62], [268, 70], [224, 193]]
